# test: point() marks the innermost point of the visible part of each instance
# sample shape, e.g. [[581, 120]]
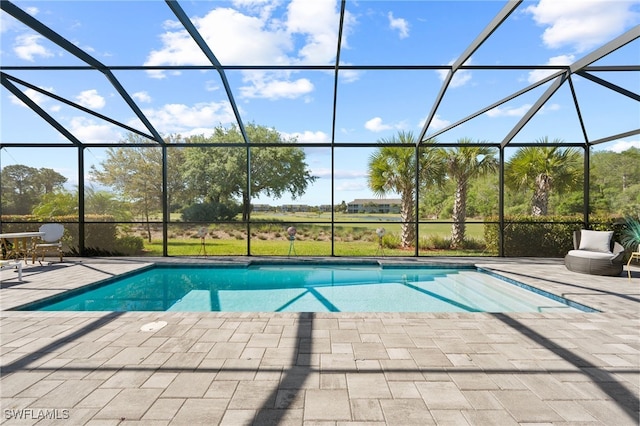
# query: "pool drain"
[[153, 326]]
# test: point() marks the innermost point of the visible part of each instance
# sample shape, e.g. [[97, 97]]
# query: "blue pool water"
[[307, 288]]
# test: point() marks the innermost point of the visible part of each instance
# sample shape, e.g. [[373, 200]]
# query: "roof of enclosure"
[[331, 72]]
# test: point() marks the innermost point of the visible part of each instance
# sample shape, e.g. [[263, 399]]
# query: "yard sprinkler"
[[292, 238], [380, 232], [203, 247]]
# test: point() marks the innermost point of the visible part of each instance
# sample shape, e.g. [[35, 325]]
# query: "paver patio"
[[104, 368]]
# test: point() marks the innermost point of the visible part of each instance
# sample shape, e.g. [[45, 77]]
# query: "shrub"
[[211, 212], [436, 242], [391, 241], [129, 245]]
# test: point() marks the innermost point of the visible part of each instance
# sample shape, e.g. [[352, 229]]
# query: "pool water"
[[307, 288]]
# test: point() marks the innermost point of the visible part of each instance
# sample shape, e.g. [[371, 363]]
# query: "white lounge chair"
[[10, 264], [53, 232]]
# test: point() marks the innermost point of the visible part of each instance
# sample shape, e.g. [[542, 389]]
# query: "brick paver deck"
[[179, 368]]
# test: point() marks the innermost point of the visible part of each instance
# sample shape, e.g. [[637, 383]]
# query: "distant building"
[[261, 207], [293, 208], [374, 205]]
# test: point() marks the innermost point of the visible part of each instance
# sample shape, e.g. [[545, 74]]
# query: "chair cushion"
[[586, 254], [596, 241]]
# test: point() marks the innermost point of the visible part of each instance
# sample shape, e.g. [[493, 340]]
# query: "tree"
[[462, 164], [135, 173], [341, 208], [100, 202], [615, 181], [392, 169], [544, 169], [22, 187], [219, 173], [59, 203]]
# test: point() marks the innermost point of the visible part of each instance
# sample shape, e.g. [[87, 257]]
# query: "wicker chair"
[[600, 255]]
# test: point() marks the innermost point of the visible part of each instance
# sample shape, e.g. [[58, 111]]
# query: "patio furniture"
[[11, 264], [595, 253], [52, 233], [17, 245]]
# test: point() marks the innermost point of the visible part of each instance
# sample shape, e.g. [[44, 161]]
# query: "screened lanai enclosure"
[[319, 128]]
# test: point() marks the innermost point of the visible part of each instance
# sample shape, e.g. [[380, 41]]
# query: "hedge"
[[543, 236]]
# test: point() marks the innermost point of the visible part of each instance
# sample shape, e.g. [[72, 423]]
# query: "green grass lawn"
[[235, 247], [353, 237]]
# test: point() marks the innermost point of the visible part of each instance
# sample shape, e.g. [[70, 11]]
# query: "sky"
[[371, 104]]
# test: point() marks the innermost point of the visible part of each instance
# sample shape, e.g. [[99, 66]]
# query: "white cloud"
[[27, 47], [191, 120], [318, 21], [582, 24], [436, 124], [349, 76], [87, 131], [376, 125], [460, 78], [399, 24], [537, 75], [352, 185], [350, 174], [35, 96], [211, 86], [266, 85], [7, 23], [550, 107], [306, 34], [263, 7], [90, 99], [308, 136], [621, 146], [509, 111], [519, 111], [141, 97]]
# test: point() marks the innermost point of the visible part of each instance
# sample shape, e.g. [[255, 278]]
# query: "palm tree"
[[392, 169], [461, 165], [544, 169]]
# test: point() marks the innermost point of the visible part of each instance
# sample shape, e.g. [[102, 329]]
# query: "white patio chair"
[[53, 232], [10, 264]]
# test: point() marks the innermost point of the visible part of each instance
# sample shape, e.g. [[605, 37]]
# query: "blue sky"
[[371, 104]]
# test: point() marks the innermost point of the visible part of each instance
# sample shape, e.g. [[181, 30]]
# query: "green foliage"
[[435, 242], [105, 202], [218, 173], [56, 204], [532, 236], [391, 241], [615, 182], [393, 168], [544, 169], [129, 245], [22, 187], [630, 233], [211, 212], [461, 165]]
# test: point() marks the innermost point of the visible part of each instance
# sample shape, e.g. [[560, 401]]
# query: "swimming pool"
[[308, 288]]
